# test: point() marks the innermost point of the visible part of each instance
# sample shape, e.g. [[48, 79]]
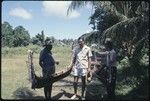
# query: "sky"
[[50, 16]]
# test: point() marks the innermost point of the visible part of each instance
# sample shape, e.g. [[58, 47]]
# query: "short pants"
[[79, 71]]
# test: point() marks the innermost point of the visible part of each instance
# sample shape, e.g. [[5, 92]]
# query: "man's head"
[[81, 42], [48, 44], [108, 44]]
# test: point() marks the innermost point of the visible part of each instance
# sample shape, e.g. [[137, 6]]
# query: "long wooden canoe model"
[[39, 82]]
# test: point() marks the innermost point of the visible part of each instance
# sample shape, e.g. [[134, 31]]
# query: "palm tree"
[[124, 9]]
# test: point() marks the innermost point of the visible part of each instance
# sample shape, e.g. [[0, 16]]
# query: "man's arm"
[[40, 63], [73, 61], [41, 59], [89, 59], [113, 57], [89, 64], [102, 53], [73, 57]]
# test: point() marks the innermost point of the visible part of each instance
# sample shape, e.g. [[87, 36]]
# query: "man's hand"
[[41, 64], [89, 69], [57, 62], [89, 75]]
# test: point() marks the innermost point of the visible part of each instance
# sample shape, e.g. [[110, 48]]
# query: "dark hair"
[[82, 38], [108, 43], [50, 46]]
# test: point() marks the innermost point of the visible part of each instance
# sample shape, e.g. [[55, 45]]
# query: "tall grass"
[[6, 51]]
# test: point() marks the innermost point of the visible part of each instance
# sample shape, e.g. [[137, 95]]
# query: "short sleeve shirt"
[[82, 56], [47, 59], [110, 58]]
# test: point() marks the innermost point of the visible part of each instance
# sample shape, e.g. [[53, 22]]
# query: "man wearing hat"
[[47, 64]]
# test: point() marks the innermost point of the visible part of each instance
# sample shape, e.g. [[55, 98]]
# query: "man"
[[81, 62], [47, 63], [110, 58]]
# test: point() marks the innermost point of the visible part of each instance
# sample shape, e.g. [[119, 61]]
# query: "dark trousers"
[[48, 91], [111, 86], [48, 85]]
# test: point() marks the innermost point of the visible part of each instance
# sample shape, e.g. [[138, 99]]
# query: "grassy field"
[[14, 76], [15, 83]]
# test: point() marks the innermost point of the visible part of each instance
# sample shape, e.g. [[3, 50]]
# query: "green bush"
[[145, 60]]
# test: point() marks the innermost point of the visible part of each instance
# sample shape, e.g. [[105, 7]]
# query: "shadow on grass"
[[25, 93], [95, 90], [58, 96], [69, 95]]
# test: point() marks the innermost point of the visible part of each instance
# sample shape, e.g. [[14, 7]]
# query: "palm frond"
[[77, 4]]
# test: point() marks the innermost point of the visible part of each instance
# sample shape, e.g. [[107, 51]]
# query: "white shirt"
[[81, 56]]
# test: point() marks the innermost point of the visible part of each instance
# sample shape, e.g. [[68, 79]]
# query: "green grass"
[[14, 71]]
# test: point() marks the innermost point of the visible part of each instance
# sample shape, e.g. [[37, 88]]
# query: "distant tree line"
[[19, 36]]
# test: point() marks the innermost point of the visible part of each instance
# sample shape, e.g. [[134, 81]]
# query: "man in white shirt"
[[81, 62]]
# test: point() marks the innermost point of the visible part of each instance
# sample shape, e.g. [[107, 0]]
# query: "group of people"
[[81, 63]]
